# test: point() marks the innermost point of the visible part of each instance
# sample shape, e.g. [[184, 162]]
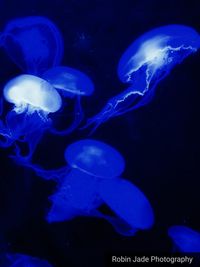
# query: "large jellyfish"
[[129, 203], [21, 260], [34, 43], [92, 179], [33, 99], [70, 83], [147, 61], [185, 238]]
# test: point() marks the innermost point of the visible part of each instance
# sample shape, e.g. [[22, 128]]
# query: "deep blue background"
[[160, 142]]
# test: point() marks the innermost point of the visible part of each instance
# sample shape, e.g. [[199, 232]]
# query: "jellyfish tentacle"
[[78, 117], [57, 175], [32, 140], [33, 99], [5, 140], [5, 136], [120, 226], [116, 106]]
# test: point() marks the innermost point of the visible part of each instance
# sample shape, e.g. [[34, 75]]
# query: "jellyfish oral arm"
[[76, 196]]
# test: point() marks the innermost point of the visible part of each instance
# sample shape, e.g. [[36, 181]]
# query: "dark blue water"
[[160, 142]]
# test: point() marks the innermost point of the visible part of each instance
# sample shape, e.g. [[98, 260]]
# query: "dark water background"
[[160, 142]]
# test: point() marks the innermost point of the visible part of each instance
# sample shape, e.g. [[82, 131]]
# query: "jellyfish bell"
[[186, 239], [157, 52], [33, 99], [95, 158], [32, 94], [129, 203], [69, 81], [147, 61], [34, 43]]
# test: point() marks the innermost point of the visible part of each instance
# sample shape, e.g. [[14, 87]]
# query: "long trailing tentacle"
[[5, 136], [76, 122], [116, 106], [58, 174]]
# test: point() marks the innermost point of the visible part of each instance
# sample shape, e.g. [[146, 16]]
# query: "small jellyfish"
[[34, 43], [70, 83], [185, 239], [147, 61], [33, 99], [92, 179], [21, 260]]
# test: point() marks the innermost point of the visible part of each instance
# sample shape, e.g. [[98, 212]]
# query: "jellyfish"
[[128, 202], [33, 99], [90, 180], [186, 239], [34, 43], [87, 161], [147, 61], [70, 83], [22, 260]]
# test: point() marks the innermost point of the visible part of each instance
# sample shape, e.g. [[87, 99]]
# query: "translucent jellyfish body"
[[145, 63], [92, 179], [34, 43], [185, 239], [21, 260], [70, 83], [33, 99], [129, 203], [88, 160]]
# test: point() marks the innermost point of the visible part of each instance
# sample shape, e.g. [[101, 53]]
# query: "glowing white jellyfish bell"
[[31, 94]]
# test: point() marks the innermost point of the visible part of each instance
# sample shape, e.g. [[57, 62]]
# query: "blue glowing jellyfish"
[[128, 202], [88, 160], [70, 83], [92, 179], [33, 99], [21, 260], [185, 238], [144, 64], [34, 43]]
